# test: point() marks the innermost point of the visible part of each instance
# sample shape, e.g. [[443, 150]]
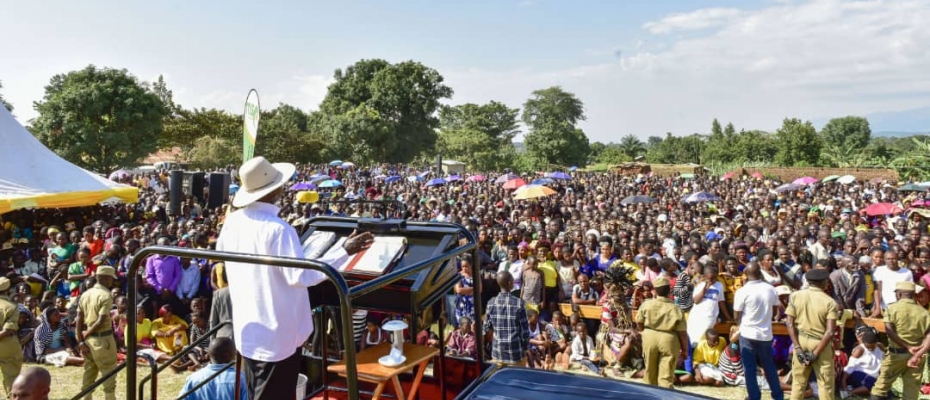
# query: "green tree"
[[613, 154], [481, 136], [551, 115], [3, 101], [160, 87], [185, 127], [597, 148], [729, 132], [849, 132], [718, 149], [653, 141], [285, 136], [632, 146], [798, 143], [677, 150], [99, 119], [215, 151], [753, 147], [390, 108], [715, 129]]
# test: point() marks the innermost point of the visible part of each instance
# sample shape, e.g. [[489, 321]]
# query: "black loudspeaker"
[[197, 186], [175, 182], [219, 190]]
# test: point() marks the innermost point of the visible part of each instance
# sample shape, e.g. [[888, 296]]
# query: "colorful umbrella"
[[701, 196], [392, 179], [757, 175], [330, 184], [335, 163], [728, 175], [348, 165], [807, 180], [542, 181], [233, 188], [119, 174], [638, 199], [303, 186], [912, 187], [453, 178], [414, 178], [560, 175], [532, 192], [506, 177], [475, 178], [572, 168], [789, 187], [436, 182], [317, 179], [846, 179], [882, 209], [514, 183], [830, 178]]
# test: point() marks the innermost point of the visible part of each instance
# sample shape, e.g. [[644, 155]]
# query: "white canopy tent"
[[32, 176]]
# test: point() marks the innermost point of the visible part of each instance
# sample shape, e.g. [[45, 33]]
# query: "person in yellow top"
[[95, 332], [907, 325], [732, 279], [11, 352], [705, 357], [811, 322], [550, 272], [664, 335], [169, 331]]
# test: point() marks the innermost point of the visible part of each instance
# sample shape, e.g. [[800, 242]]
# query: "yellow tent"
[[32, 176]]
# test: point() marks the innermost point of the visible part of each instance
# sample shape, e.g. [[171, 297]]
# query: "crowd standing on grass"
[[624, 244]]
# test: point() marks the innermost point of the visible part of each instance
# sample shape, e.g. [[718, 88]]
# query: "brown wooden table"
[[370, 370]]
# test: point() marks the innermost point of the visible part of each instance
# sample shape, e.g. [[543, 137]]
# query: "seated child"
[[583, 350], [705, 358], [461, 342], [864, 363], [198, 355]]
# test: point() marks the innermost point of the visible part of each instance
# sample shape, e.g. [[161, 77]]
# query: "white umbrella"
[[846, 179]]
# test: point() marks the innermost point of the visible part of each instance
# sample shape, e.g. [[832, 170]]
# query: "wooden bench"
[[778, 328]]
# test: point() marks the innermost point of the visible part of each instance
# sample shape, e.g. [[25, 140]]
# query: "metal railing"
[[206, 381], [342, 291], [112, 375], [185, 351]]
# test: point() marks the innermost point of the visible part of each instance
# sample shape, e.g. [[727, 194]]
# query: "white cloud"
[[809, 59], [695, 20]]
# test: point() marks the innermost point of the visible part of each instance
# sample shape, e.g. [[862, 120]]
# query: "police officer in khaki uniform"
[[664, 335], [11, 352], [95, 332], [907, 325], [811, 323]]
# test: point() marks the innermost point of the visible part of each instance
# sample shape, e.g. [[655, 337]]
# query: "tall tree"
[[729, 131], [186, 126], [715, 129], [479, 135], [551, 115], [851, 133], [677, 150], [3, 101], [160, 87], [99, 119], [632, 146], [284, 136], [798, 143], [653, 141], [388, 107], [718, 145]]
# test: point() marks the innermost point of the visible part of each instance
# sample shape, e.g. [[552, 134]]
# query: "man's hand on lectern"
[[358, 242]]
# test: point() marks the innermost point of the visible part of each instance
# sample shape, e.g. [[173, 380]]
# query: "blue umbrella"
[[414, 178], [560, 175], [303, 186], [330, 184], [335, 163], [572, 168], [317, 176], [319, 179], [701, 196], [233, 188], [436, 182], [453, 178], [542, 181], [506, 177], [392, 179]]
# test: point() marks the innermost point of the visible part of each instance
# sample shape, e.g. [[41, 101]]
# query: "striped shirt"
[[683, 291], [506, 316], [731, 365]]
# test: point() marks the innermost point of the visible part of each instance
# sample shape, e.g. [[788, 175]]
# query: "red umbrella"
[[882, 209], [757, 175], [728, 175], [514, 183]]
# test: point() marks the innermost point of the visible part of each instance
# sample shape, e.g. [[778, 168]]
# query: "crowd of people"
[[665, 273]]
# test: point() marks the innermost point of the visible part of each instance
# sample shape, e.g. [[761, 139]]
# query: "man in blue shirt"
[[222, 351]]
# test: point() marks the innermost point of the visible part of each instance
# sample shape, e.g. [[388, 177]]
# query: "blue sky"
[[641, 67]]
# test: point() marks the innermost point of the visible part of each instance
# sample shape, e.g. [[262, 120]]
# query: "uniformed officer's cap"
[[817, 275], [106, 270], [659, 282], [4, 284], [905, 287]]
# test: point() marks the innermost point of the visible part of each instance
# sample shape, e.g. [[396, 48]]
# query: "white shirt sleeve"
[[578, 349], [289, 246], [738, 299]]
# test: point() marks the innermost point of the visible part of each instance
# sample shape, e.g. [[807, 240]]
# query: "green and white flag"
[[250, 125]]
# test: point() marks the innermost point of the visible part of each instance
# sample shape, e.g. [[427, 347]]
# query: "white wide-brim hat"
[[260, 177]]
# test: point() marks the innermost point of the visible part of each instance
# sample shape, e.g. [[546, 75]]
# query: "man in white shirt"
[[754, 304], [886, 277], [271, 306]]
